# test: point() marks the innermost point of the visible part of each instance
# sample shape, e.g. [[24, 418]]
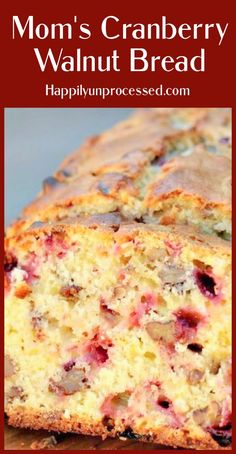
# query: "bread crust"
[[200, 176], [114, 224], [117, 168], [163, 436]]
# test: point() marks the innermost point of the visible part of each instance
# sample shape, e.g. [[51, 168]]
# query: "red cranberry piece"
[[222, 435], [164, 402], [55, 243], [100, 354], [69, 365], [31, 267], [165, 406], [97, 350], [196, 348], [49, 241], [206, 284], [187, 323], [155, 383], [10, 262], [105, 309], [188, 318]]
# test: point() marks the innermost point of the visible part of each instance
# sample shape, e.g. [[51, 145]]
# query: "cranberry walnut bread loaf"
[[117, 284]]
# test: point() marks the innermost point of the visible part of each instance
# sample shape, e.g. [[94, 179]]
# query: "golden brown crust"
[[201, 176], [115, 224], [163, 436], [115, 170]]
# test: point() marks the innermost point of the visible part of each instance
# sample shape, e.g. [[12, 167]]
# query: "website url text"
[[104, 92]]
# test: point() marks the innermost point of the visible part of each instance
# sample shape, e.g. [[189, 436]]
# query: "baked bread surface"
[[117, 283]]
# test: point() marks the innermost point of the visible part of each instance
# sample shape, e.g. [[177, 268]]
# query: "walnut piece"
[[207, 415], [9, 368], [13, 393], [171, 274], [71, 382], [161, 331], [195, 376]]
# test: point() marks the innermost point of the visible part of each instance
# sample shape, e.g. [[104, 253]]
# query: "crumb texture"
[[118, 287]]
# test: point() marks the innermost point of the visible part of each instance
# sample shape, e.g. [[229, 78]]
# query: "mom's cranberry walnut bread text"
[[118, 312]]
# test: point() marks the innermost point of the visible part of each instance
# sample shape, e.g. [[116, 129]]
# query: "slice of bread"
[[117, 328]]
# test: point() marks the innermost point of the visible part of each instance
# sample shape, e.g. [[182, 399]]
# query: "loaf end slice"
[[172, 165]]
